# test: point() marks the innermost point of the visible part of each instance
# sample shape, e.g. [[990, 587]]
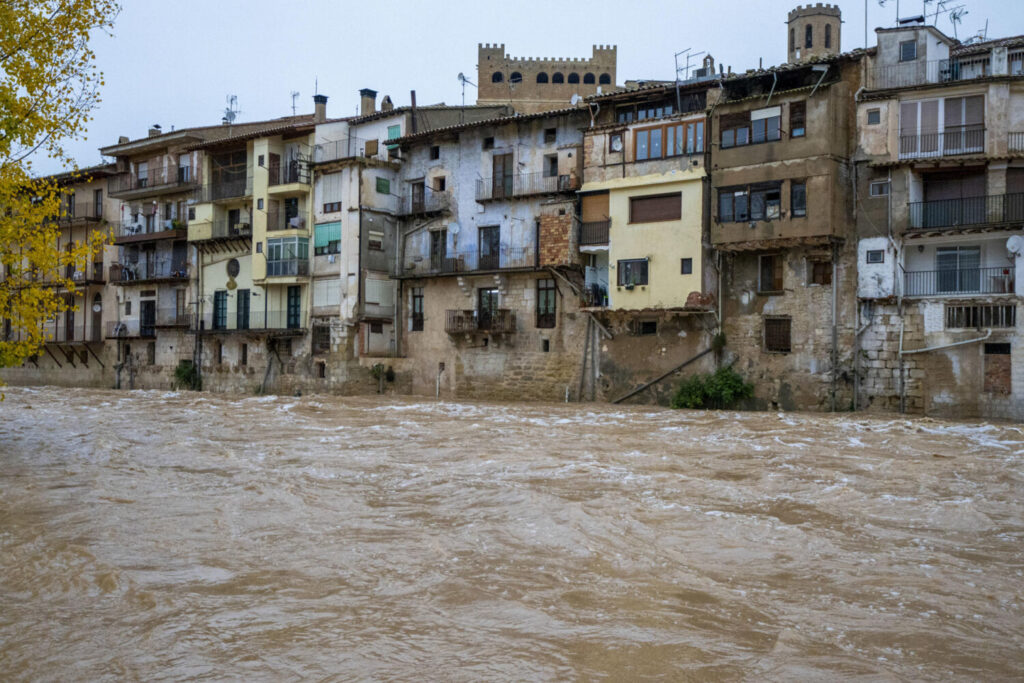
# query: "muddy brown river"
[[149, 535]]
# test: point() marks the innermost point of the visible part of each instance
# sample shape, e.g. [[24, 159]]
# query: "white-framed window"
[[908, 50], [879, 188], [875, 256]]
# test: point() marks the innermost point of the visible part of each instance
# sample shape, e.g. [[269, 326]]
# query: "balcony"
[[594, 233], [288, 268], [80, 214], [279, 220], [959, 282], [920, 72], [224, 190], [148, 271], [294, 171], [156, 181], [222, 230], [128, 232], [128, 329], [506, 258], [953, 141], [424, 202], [345, 148], [595, 296], [971, 212], [255, 320], [80, 333], [173, 317], [523, 185], [500, 321]]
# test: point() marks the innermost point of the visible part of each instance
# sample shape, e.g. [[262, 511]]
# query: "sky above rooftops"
[[174, 64]]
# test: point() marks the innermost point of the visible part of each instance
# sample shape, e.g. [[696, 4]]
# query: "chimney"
[[123, 139], [319, 108], [386, 104], [367, 101], [154, 130]]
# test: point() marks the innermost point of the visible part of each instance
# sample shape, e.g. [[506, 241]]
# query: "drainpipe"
[[775, 82], [197, 346], [835, 328]]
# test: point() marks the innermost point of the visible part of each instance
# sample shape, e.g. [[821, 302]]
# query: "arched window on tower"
[[557, 77], [496, 77], [588, 78], [542, 77], [828, 36], [516, 77], [574, 78], [808, 36], [605, 79]]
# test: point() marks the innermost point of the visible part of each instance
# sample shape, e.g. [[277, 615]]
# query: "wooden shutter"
[[595, 208], [665, 207]]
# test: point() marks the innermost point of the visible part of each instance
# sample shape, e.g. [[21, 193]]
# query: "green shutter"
[[383, 186], [326, 233]]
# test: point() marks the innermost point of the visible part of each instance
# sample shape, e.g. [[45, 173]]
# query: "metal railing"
[[594, 232], [224, 230], [919, 72], [1015, 141], [155, 227], [226, 189], [345, 148], [81, 212], [130, 328], [500, 321], [470, 261], [173, 316], [970, 211], [288, 267], [292, 171], [991, 280], [155, 179], [428, 201], [279, 220], [524, 184], [159, 269], [952, 141], [58, 332], [257, 319]]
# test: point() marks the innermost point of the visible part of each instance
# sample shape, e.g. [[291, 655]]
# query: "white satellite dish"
[[617, 144], [454, 228], [1015, 245], [575, 99]]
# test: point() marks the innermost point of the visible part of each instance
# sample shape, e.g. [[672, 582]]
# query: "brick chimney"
[[319, 108], [367, 101]]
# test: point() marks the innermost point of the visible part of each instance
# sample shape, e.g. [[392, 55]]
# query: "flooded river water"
[[150, 535]]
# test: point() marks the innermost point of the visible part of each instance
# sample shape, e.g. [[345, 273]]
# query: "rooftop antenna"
[[686, 69], [295, 96], [881, 3], [463, 80], [231, 112]]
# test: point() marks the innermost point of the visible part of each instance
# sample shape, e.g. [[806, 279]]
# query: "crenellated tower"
[[813, 31]]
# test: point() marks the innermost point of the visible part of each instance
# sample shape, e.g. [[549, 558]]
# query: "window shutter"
[[667, 207]]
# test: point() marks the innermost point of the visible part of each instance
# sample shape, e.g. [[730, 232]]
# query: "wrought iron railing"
[[131, 328], [594, 232], [345, 148], [500, 321], [470, 261], [156, 179], [80, 212], [1015, 141], [153, 227], [279, 220], [255, 319], [159, 269], [951, 282], [425, 201], [953, 141], [172, 316], [523, 184], [969, 211], [225, 189], [291, 171]]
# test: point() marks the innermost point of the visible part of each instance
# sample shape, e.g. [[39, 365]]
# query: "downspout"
[[359, 249], [835, 328], [197, 347]]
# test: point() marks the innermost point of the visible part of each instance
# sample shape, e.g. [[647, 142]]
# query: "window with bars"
[[981, 316], [777, 334], [321, 338]]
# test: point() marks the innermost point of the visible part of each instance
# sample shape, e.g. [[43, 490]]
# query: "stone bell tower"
[[813, 31]]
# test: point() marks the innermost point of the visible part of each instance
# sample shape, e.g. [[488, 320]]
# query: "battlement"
[[814, 10], [602, 55]]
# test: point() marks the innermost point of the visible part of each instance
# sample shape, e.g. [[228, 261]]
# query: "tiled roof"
[[498, 121], [977, 48]]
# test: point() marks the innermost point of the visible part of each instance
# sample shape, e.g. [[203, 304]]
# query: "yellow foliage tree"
[[49, 84]]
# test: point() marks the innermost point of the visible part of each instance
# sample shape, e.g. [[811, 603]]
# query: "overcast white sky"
[[175, 63]]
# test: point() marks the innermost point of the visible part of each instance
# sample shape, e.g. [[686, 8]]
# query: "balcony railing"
[[288, 267], [80, 331], [257, 319], [429, 201], [470, 261], [953, 141], [82, 212], [227, 189], [279, 220], [1015, 141], [594, 233], [523, 185], [345, 148], [967, 212], [920, 72], [500, 321], [173, 317], [155, 180], [130, 229], [130, 328], [160, 269], [293, 171], [992, 280]]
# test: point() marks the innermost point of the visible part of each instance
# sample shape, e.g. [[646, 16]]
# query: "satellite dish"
[[575, 99], [617, 144], [1015, 245], [454, 228]]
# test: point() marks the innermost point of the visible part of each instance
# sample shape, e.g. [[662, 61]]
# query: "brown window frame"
[[779, 339], [634, 219], [821, 272], [546, 318], [668, 132], [777, 276]]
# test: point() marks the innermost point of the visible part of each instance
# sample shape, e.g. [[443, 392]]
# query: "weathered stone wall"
[[555, 237]]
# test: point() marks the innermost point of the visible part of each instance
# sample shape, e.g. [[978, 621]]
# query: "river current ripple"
[[149, 535]]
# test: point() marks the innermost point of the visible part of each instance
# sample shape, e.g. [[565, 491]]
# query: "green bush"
[[186, 376], [723, 389]]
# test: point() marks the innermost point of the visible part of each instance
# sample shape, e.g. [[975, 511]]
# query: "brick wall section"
[[555, 233]]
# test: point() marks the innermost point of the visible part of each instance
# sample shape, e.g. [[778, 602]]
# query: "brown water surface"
[[150, 535]]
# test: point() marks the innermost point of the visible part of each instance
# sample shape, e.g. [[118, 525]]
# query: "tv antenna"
[[463, 80], [295, 96], [685, 68], [231, 112]]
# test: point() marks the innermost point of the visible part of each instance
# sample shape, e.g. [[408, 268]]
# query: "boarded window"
[[383, 186], [770, 273], [651, 209], [998, 369], [821, 272], [777, 334], [326, 292]]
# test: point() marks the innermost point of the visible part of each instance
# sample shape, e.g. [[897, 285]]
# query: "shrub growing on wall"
[[722, 389]]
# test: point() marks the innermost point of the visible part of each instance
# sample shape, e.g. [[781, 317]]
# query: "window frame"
[[676, 139], [547, 303], [416, 310], [877, 111], [903, 43], [642, 278], [798, 112], [384, 183], [635, 220], [870, 256], [793, 211], [879, 184], [778, 273], [766, 336]]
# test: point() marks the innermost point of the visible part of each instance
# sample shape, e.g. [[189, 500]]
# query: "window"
[[184, 168], [550, 134], [416, 323], [497, 77], [383, 186], [879, 188], [797, 119], [777, 332], [371, 148], [393, 133], [376, 328], [798, 199], [735, 129], [287, 256], [792, 39], [321, 369], [128, 307], [259, 206], [440, 183], [588, 78], [435, 152], [220, 309], [375, 241], [686, 266], [874, 117], [168, 211], [243, 354], [656, 208], [143, 173], [766, 125], [218, 353], [733, 205], [875, 256], [546, 303], [574, 78], [550, 165], [489, 143], [604, 79], [828, 36], [660, 109], [542, 77], [769, 268], [557, 78], [958, 269], [327, 238], [908, 50], [332, 207], [821, 272], [545, 345], [981, 316], [645, 328], [191, 214], [808, 36], [321, 338], [669, 140], [761, 202], [516, 77], [632, 272], [998, 369]]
